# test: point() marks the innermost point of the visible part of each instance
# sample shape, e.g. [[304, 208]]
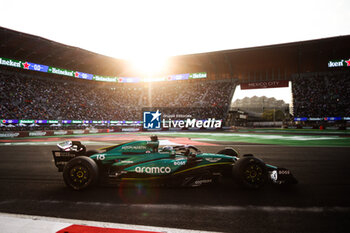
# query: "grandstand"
[[322, 94], [27, 97], [92, 89]]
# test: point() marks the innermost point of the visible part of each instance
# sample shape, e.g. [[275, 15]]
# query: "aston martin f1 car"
[[144, 161]]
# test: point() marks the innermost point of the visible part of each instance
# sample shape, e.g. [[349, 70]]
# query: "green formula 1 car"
[[144, 161]]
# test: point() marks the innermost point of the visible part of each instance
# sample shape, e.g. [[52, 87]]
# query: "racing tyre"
[[80, 173], [228, 151], [250, 172]]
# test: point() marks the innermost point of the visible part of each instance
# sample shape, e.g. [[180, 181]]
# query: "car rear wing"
[[61, 158]]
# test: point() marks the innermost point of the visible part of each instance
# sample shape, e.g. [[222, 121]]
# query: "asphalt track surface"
[[30, 184]]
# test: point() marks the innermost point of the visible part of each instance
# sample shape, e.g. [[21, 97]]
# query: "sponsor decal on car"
[[134, 147], [181, 162], [213, 160], [64, 154], [153, 170], [283, 172], [199, 182], [127, 161]]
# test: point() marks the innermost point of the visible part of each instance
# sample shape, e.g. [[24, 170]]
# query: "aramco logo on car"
[[153, 170], [152, 120]]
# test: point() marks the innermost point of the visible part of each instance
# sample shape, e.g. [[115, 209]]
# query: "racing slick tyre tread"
[[250, 172], [80, 173]]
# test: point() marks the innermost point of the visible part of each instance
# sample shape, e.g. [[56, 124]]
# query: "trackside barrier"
[[317, 127], [42, 133]]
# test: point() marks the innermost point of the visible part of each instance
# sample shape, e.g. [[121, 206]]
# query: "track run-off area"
[[31, 185]]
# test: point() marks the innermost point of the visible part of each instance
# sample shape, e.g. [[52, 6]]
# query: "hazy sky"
[[281, 93], [147, 31], [154, 29]]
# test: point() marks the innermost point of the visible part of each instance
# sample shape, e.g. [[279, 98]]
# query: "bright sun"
[[149, 66]]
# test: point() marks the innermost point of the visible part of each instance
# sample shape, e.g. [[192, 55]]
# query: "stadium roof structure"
[[26, 47], [273, 62]]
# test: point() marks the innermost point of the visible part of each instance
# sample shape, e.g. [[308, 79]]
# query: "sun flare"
[[150, 67]]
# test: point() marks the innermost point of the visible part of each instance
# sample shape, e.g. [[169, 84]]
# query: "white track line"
[[13, 223]]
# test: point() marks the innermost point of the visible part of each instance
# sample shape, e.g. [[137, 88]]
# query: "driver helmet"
[[154, 138]]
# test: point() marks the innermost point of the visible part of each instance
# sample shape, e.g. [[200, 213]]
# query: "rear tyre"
[[80, 173], [250, 172]]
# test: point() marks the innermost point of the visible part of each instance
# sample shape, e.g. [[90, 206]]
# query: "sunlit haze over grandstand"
[[147, 32]]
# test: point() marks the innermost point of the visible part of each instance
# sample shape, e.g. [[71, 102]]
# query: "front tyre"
[[250, 172], [80, 173]]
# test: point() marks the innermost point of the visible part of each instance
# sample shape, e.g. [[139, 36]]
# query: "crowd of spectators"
[[24, 96], [27, 96], [200, 100], [184, 94], [322, 95]]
